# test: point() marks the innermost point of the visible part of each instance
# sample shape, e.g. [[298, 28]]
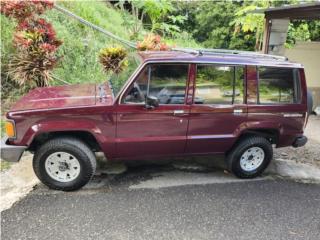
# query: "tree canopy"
[[230, 25]]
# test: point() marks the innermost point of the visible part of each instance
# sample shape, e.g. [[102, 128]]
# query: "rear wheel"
[[250, 157], [64, 163]]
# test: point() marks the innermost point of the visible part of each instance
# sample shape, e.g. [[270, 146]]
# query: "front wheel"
[[250, 157], [64, 163]]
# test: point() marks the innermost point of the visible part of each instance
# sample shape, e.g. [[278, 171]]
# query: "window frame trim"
[[296, 86], [147, 65]]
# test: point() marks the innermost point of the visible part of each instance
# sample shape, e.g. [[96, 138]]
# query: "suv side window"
[[278, 85], [219, 84], [167, 82]]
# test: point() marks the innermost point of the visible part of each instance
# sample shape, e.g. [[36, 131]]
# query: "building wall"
[[308, 53]]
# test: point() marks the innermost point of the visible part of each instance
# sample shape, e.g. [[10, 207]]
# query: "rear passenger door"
[[279, 102], [218, 110]]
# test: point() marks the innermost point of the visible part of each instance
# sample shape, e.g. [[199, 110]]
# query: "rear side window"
[[219, 84], [278, 85]]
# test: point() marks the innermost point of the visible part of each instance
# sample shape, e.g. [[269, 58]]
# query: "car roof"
[[220, 58]]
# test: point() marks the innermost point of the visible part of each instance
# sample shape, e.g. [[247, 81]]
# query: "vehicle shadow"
[[115, 176], [109, 178]]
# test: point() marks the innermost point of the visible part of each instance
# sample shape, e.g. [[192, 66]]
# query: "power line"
[[85, 22]]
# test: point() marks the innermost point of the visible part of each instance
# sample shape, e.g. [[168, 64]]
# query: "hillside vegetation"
[[81, 44]]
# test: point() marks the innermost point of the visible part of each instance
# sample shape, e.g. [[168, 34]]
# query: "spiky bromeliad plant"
[[113, 59], [35, 41], [152, 42]]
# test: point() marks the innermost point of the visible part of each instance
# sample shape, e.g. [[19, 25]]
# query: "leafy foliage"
[[214, 28], [154, 15], [152, 42], [156, 11], [134, 21], [35, 41], [250, 22], [230, 25], [22, 10], [314, 29], [113, 59], [36, 35], [303, 31]]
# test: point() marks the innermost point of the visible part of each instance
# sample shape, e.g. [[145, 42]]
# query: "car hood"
[[62, 97]]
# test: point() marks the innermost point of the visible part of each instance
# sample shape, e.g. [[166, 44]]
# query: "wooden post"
[[266, 35]]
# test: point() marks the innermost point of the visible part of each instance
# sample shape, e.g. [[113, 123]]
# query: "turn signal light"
[[10, 129]]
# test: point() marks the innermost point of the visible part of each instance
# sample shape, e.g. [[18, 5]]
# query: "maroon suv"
[[175, 103]]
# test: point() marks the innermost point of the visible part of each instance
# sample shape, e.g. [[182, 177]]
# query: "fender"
[[47, 126], [258, 126], [107, 144]]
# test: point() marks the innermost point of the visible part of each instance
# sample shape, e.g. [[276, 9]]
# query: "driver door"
[[159, 131]]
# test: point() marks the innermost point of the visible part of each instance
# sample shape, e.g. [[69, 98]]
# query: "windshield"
[[118, 80]]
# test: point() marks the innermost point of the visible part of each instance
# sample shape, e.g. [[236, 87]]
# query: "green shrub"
[[113, 59]]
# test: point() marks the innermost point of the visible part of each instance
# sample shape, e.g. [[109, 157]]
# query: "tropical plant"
[[133, 21], [156, 10], [36, 45], [155, 15], [35, 41], [113, 59], [152, 42], [22, 10]]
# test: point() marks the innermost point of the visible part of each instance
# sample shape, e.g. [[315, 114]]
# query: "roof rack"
[[187, 50], [201, 52]]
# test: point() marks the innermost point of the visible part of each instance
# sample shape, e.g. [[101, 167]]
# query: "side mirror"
[[151, 102]]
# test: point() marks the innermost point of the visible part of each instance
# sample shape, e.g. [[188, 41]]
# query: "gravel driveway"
[[310, 153]]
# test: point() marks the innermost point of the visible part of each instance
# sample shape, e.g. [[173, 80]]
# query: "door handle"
[[237, 111], [178, 112]]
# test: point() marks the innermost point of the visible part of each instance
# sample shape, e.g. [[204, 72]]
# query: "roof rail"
[[187, 50], [229, 52], [243, 53]]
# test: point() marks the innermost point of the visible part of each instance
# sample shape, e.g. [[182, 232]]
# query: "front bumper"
[[11, 153], [300, 141]]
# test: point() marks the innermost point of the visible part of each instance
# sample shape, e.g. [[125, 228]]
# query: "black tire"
[[77, 148], [234, 156]]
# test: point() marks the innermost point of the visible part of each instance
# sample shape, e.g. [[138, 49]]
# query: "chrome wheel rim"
[[252, 159], [62, 166]]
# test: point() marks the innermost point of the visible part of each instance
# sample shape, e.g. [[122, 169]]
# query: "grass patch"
[[81, 44]]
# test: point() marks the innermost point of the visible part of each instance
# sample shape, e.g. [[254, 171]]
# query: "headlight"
[[10, 129]]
